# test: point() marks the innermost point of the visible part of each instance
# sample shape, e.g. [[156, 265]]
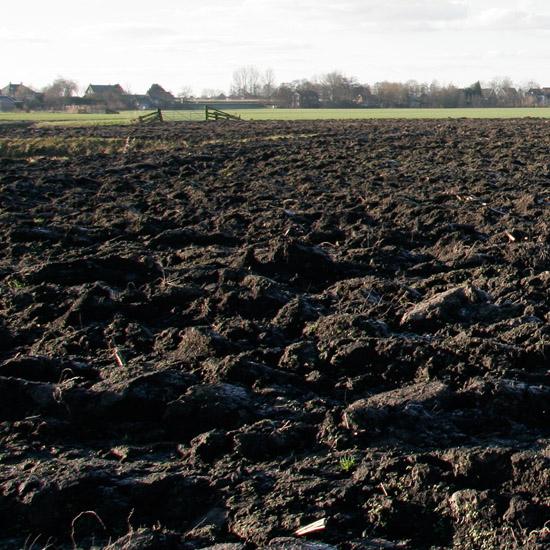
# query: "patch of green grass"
[[60, 147], [127, 117], [364, 114], [347, 463], [47, 118]]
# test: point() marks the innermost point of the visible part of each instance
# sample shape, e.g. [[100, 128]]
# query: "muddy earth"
[[261, 326]]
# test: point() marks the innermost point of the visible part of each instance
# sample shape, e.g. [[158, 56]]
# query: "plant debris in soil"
[[277, 335]]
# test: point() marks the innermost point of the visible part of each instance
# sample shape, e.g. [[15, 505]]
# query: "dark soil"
[[272, 324]]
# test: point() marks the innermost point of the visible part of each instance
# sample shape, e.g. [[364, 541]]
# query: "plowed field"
[[221, 333]]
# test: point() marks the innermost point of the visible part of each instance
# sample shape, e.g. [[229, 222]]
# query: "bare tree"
[[57, 94], [284, 94], [530, 85], [212, 93], [254, 81], [445, 96], [339, 90], [246, 82], [391, 94], [239, 85], [505, 92], [531, 93], [416, 92], [501, 83], [187, 92], [268, 86]]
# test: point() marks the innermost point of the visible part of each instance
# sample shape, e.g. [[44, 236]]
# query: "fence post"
[[160, 115]]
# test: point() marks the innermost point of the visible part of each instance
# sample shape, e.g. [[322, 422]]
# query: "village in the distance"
[[254, 88]]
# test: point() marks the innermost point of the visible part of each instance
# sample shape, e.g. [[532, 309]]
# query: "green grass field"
[[126, 117], [359, 114]]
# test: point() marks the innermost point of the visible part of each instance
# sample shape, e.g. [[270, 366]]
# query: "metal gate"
[[183, 115]]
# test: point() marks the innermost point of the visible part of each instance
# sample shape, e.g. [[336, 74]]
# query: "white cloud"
[[15, 36], [138, 30], [414, 11], [517, 18], [135, 31], [391, 14]]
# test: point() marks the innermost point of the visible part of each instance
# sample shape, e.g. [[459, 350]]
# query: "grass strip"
[[72, 147]]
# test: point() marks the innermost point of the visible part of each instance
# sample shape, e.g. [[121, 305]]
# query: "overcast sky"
[[201, 43]]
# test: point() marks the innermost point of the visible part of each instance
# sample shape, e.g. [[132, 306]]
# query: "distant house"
[[306, 99], [417, 102], [17, 91], [539, 96], [103, 89], [7, 104], [25, 97], [509, 97], [489, 96], [111, 97], [366, 100], [160, 97]]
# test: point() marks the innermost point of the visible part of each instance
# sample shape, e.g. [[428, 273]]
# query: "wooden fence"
[[186, 115], [216, 114], [155, 116]]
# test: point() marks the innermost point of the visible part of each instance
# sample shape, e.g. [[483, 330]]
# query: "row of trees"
[[333, 90]]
